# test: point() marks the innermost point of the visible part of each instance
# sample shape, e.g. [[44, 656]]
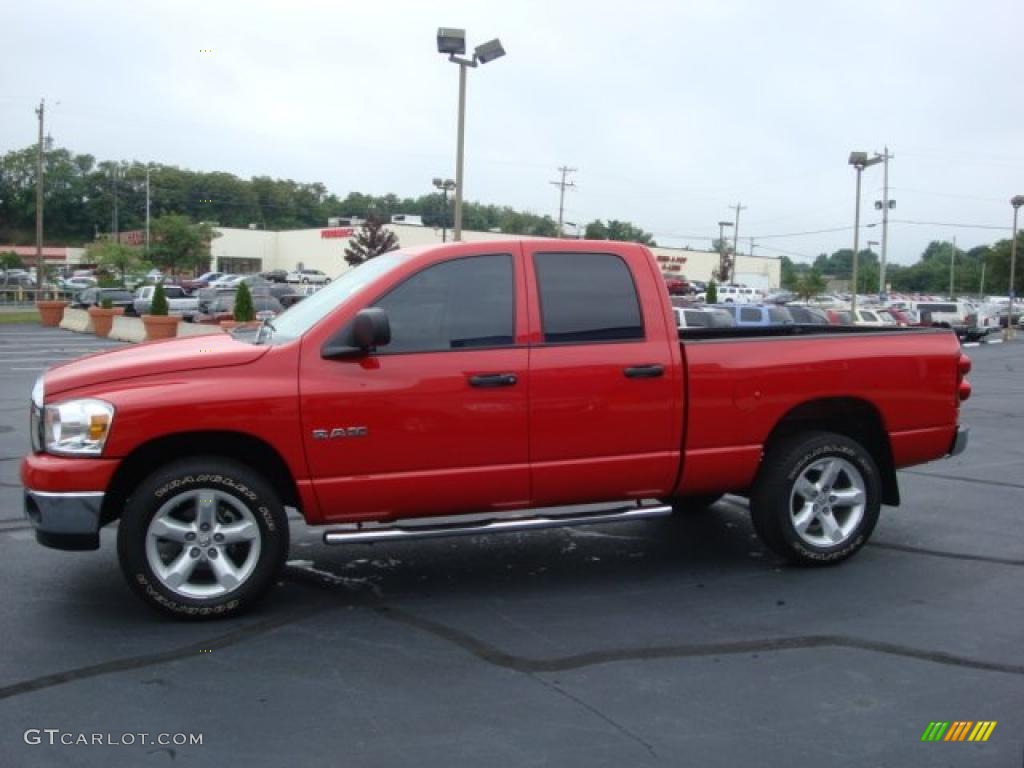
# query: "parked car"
[[736, 294], [804, 315], [275, 275], [754, 315], [226, 280], [676, 285], [702, 317], [93, 297], [76, 284], [201, 282], [179, 301], [285, 293], [870, 318], [780, 297], [309, 277], [222, 307], [381, 398]]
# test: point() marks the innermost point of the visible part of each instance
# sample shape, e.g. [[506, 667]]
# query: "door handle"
[[493, 380], [644, 371]]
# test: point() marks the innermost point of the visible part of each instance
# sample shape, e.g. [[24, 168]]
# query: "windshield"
[[299, 318]]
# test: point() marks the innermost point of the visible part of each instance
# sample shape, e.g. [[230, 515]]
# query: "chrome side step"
[[426, 530]]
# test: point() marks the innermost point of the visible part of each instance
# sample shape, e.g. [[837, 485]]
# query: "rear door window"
[[750, 315], [587, 298]]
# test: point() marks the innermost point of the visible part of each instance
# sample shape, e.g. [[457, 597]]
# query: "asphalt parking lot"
[[675, 642]]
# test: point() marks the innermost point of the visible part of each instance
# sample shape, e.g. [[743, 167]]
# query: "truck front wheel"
[[202, 538], [816, 498]]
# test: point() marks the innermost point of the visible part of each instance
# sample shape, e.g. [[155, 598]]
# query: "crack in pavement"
[[942, 553], [961, 478], [114, 666], [552, 686], [493, 655]]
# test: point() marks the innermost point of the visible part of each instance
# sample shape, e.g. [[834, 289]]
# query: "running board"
[[482, 527]]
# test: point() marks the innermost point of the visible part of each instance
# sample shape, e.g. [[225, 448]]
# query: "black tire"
[[693, 505], [777, 502], [241, 499]]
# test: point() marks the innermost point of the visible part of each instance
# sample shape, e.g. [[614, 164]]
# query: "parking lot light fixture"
[[1016, 201], [860, 161], [453, 43], [445, 185]]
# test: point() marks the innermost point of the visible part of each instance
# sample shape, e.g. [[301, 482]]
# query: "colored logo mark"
[[959, 730]]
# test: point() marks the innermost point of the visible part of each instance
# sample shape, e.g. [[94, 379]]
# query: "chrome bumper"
[[960, 441], [65, 520]]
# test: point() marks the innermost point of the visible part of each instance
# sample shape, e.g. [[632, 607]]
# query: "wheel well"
[[247, 449], [857, 419]]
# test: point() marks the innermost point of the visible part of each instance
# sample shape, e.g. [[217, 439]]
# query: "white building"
[[246, 250]]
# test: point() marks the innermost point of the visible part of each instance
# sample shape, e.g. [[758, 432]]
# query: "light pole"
[[1016, 201], [723, 263], [860, 161], [445, 186], [453, 43]]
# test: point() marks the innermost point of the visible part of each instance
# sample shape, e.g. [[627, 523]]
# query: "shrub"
[[159, 305], [244, 310], [711, 295], [106, 303]]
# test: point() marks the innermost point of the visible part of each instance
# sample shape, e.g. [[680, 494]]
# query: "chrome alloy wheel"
[[827, 502], [203, 543]]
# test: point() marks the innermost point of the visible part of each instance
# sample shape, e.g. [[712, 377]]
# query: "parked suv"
[[758, 315]]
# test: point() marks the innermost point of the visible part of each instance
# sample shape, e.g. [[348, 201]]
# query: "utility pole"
[[952, 267], [40, 266], [752, 247], [147, 212], [981, 285], [736, 240], [724, 267], [565, 171], [886, 205], [115, 235]]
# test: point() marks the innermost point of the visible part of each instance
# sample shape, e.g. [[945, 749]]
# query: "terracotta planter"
[[103, 319], [160, 326], [51, 312]]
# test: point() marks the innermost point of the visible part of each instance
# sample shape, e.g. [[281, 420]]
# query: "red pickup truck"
[[484, 380]]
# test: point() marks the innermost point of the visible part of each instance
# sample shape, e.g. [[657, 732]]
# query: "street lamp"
[[453, 43], [1016, 201], [723, 265], [445, 186], [860, 161]]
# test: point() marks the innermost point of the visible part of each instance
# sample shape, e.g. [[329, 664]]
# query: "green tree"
[[244, 312], [370, 241], [621, 231], [810, 284], [115, 256], [159, 304], [711, 294], [179, 245], [10, 260]]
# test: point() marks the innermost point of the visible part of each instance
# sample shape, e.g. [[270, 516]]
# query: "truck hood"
[[171, 356]]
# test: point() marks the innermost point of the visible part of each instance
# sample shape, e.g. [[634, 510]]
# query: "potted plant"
[[103, 316], [160, 325], [244, 313], [51, 311]]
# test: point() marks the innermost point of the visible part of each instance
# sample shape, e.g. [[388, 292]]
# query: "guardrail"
[[17, 296]]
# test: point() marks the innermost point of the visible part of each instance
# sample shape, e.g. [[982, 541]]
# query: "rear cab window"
[[587, 298]]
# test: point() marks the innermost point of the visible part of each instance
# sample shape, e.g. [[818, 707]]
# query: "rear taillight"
[[963, 386]]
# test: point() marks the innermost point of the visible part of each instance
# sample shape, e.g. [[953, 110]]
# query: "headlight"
[[77, 427]]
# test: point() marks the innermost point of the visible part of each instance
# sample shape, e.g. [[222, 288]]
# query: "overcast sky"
[[671, 111]]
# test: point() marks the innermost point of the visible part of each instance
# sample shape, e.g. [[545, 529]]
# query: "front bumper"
[[959, 441], [67, 520]]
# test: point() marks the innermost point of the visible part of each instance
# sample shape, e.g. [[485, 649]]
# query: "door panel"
[[601, 413], [440, 414]]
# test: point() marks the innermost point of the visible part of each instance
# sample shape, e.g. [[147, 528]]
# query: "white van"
[[736, 294]]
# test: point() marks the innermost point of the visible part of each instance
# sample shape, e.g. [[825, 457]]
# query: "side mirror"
[[370, 329]]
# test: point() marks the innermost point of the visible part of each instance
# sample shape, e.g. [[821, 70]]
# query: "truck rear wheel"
[[202, 538], [816, 498]]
